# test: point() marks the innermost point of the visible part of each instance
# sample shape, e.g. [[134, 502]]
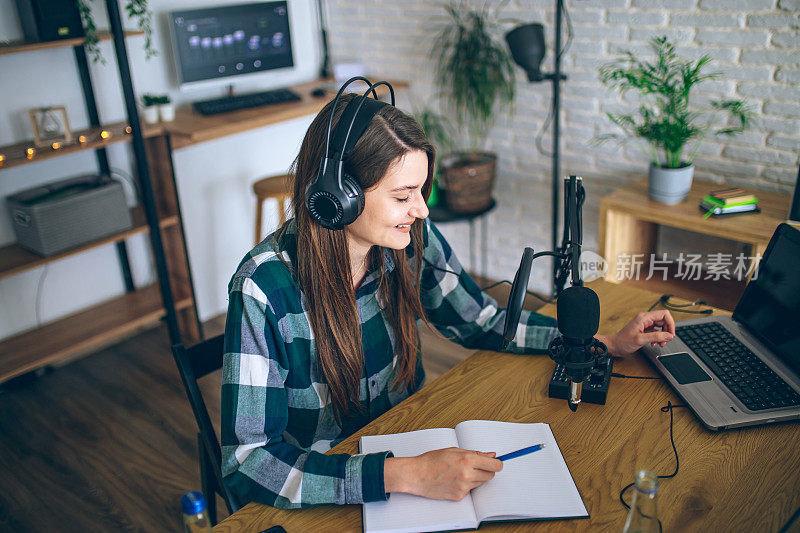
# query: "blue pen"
[[520, 453]]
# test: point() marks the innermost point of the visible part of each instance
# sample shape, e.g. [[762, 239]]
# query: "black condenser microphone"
[[578, 312]]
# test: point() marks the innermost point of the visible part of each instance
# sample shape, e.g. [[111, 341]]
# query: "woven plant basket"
[[468, 179]]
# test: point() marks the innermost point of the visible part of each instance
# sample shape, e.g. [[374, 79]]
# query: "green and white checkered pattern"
[[276, 420]]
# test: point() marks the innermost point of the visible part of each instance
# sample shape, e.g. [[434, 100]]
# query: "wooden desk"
[[743, 480], [630, 222], [191, 127]]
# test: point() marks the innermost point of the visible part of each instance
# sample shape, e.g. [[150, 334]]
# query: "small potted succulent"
[[150, 108], [664, 120], [166, 109]]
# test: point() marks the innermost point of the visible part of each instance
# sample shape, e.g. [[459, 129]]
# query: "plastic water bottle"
[[643, 516], [195, 515]]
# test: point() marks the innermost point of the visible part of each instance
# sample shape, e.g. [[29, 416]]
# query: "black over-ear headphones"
[[335, 198]]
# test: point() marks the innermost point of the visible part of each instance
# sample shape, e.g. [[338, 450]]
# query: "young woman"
[[321, 334]]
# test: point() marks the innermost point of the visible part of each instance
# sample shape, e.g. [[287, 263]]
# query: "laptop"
[[743, 370]]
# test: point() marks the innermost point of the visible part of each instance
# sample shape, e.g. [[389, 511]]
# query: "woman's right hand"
[[446, 474]]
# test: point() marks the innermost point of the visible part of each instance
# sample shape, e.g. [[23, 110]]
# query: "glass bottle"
[[643, 516], [195, 515]]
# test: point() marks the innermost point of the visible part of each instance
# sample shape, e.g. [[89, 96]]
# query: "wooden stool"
[[272, 187]]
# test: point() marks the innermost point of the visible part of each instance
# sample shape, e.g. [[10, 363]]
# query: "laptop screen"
[[770, 304]]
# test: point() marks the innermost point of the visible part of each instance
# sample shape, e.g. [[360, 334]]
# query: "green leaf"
[[473, 69], [665, 85]]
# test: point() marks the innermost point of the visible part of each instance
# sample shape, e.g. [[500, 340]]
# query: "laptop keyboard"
[[747, 376]]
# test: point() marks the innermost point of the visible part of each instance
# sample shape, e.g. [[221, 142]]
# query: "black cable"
[[681, 308], [792, 520], [128, 179], [568, 20], [493, 285], [667, 408], [618, 375], [542, 298], [38, 303], [540, 134]]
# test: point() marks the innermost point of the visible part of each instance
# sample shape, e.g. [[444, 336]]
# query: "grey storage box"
[[68, 213]]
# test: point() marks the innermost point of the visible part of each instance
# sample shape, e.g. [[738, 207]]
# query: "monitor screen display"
[[771, 301], [231, 40]]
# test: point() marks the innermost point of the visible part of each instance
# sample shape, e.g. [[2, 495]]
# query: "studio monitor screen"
[[231, 40]]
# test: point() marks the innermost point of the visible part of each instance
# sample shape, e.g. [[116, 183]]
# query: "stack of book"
[[729, 201]]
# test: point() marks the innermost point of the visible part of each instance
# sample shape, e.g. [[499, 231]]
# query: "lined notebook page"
[[406, 512], [537, 485]]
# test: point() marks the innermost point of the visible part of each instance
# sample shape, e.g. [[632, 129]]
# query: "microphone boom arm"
[[576, 348]]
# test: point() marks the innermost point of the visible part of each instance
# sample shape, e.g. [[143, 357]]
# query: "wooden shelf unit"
[[84, 331], [100, 325], [15, 259], [16, 47], [630, 222], [15, 155]]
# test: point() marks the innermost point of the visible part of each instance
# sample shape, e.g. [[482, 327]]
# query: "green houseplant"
[[475, 74], [136, 9], [664, 120], [150, 104], [440, 132]]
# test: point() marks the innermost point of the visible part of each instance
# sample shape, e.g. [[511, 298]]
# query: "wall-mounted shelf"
[[171, 299], [16, 47], [84, 331], [14, 259], [15, 155]]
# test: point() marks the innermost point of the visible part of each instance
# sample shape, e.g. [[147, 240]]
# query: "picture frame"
[[50, 125]]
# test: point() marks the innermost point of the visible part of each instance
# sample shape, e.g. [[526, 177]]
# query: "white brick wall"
[[755, 43]]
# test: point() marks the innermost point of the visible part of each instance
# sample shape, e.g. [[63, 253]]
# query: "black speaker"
[[49, 20], [794, 211]]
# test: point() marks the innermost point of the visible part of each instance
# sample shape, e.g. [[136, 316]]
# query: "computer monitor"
[[225, 44]]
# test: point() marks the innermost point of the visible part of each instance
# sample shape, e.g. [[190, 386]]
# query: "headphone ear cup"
[[324, 202], [353, 199]]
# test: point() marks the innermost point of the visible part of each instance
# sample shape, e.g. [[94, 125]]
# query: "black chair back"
[[194, 363]]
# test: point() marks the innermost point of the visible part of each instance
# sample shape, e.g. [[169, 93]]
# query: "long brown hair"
[[323, 269]]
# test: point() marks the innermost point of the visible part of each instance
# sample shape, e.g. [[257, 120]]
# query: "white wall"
[[755, 43], [214, 178]]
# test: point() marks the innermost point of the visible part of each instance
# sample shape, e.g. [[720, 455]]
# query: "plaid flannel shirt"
[[277, 422]]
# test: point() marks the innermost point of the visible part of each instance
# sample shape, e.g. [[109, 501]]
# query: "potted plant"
[[475, 74], [150, 110], [166, 109], [136, 9], [664, 120], [439, 131]]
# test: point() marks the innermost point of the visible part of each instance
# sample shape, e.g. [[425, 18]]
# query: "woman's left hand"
[[654, 327]]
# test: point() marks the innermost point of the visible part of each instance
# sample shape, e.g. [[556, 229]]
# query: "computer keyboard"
[[748, 377], [245, 101]]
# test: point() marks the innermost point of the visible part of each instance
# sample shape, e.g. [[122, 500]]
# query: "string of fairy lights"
[[32, 152]]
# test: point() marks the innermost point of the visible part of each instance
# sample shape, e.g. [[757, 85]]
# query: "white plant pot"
[[150, 114], [167, 112], [670, 185]]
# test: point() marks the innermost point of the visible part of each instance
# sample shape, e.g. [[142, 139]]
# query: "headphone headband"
[[358, 113], [335, 199]]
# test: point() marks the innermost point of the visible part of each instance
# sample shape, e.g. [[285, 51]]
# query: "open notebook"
[[537, 486]]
